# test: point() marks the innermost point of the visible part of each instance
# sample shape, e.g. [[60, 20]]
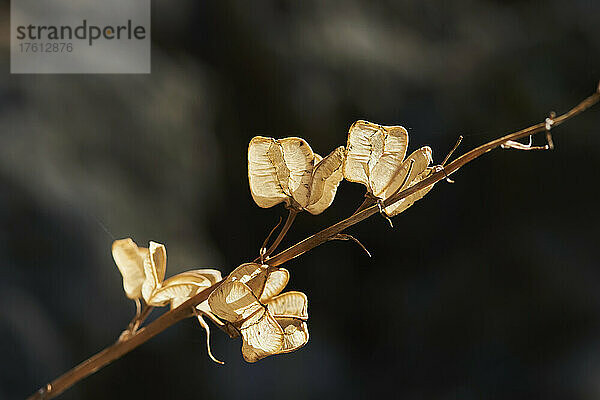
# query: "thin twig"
[[263, 248], [185, 310], [146, 310], [286, 227], [368, 202], [345, 236], [138, 319], [460, 138]]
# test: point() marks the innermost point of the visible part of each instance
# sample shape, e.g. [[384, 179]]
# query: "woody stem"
[[118, 349]]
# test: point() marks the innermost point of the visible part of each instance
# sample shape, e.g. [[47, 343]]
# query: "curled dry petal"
[[277, 280], [245, 273], [179, 288], [326, 178], [406, 202], [287, 170], [262, 336], [130, 261], [416, 163], [233, 301], [373, 155], [289, 304], [290, 310], [155, 267]]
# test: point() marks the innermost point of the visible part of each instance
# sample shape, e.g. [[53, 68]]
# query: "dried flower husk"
[[374, 154], [143, 271], [287, 171], [269, 323], [326, 178], [375, 158]]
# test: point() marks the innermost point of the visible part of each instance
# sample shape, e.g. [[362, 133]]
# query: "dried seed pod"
[[287, 170], [374, 154], [278, 170], [375, 158], [143, 271], [277, 280], [177, 289], [268, 323]]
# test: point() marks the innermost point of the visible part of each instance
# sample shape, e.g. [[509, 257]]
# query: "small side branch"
[[458, 142], [138, 320], [511, 144], [286, 227], [368, 202], [344, 236]]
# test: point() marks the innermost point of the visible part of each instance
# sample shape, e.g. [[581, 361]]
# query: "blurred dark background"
[[487, 288]]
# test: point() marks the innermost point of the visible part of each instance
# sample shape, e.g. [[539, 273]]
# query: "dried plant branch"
[[187, 309], [114, 352], [321, 237]]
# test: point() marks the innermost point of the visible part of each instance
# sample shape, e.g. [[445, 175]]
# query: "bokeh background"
[[487, 288]]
